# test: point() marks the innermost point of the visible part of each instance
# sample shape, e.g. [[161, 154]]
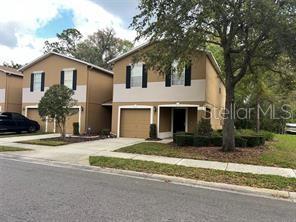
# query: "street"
[[33, 192]]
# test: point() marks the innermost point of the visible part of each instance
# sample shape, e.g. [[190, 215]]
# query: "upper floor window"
[[37, 81], [178, 78], [136, 75], [175, 76], [69, 78]]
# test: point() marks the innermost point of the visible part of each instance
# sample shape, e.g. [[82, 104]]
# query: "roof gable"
[[66, 57]]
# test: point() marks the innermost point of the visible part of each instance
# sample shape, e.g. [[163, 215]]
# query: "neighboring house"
[[174, 102], [92, 86], [10, 90]]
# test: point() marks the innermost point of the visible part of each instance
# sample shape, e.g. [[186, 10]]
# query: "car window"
[[6, 115], [17, 116]]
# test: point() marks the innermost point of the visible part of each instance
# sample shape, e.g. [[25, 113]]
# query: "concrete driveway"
[[76, 153]]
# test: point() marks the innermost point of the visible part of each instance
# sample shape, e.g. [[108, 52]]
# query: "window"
[[37, 81], [177, 77], [136, 75], [68, 78]]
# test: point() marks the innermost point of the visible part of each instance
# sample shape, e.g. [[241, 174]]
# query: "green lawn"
[[281, 152], [9, 149], [46, 142], [247, 179]]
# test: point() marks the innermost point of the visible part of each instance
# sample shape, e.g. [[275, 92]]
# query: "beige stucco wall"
[[93, 88], [11, 87], [99, 90], [198, 70], [155, 113], [215, 97]]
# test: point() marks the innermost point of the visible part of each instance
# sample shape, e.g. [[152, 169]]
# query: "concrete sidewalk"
[[231, 167]]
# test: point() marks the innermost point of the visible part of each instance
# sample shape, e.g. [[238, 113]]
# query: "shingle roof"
[[10, 70], [67, 57]]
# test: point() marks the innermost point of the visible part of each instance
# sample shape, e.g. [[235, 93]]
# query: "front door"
[[179, 120]]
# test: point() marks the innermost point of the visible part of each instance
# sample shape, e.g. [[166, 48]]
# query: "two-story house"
[[174, 102], [92, 87], [10, 90]]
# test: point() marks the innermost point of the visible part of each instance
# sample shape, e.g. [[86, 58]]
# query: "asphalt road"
[[33, 192]]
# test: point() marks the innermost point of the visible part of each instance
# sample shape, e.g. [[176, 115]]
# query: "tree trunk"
[[257, 115], [64, 129], [228, 127]]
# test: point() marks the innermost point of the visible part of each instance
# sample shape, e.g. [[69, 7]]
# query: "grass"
[[246, 179], [46, 142], [280, 153], [10, 149], [9, 134]]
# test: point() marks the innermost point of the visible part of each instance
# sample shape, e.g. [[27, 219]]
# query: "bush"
[[253, 141], [180, 133], [152, 132], [269, 136], [105, 132], [203, 128], [76, 128], [184, 140], [240, 142], [200, 141]]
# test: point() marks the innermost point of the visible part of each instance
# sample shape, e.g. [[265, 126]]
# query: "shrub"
[[253, 141], [76, 128], [203, 128], [180, 133], [240, 142], [199, 141], [105, 132], [269, 136], [184, 140], [152, 132]]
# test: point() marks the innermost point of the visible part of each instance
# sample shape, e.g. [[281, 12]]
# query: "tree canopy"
[[250, 33], [57, 104], [97, 48]]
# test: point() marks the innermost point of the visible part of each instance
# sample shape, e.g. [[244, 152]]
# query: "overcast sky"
[[26, 24]]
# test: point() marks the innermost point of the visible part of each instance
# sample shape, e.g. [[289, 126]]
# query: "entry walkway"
[[231, 167]]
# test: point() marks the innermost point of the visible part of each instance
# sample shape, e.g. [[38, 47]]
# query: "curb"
[[245, 190]]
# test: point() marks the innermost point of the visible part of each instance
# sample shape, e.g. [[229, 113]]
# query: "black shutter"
[[144, 76], [74, 80], [62, 77], [128, 77], [188, 75], [168, 78], [32, 83], [42, 81]]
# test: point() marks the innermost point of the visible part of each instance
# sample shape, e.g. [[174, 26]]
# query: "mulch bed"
[[216, 153], [77, 139]]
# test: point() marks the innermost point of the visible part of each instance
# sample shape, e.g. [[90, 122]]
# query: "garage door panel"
[[135, 123], [34, 115]]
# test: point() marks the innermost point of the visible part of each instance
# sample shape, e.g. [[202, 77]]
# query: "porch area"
[[178, 118]]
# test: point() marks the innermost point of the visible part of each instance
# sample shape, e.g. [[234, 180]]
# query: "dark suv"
[[15, 122]]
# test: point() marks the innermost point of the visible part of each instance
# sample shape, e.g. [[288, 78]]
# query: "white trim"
[[46, 124], [54, 125], [132, 107], [74, 107], [69, 69], [174, 106], [37, 72]]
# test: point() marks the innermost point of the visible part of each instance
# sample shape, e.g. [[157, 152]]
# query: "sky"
[[26, 24]]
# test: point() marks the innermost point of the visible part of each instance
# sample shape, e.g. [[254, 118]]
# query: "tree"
[[66, 43], [102, 46], [249, 32], [57, 104], [12, 65], [97, 48]]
